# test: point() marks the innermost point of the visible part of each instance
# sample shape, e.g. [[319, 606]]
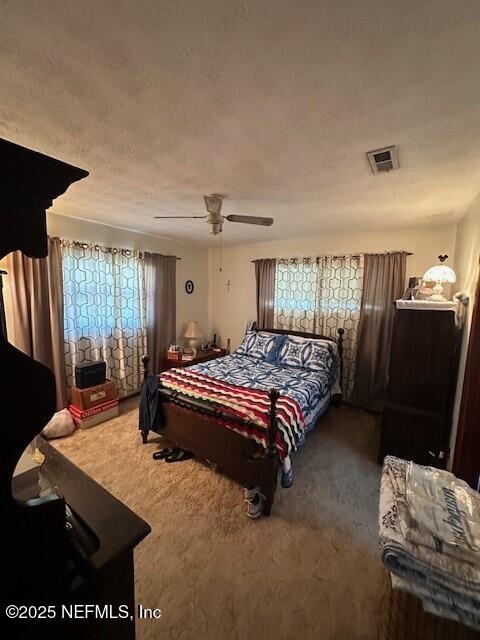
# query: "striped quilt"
[[251, 405]]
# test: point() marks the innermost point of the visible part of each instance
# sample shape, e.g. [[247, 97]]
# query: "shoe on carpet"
[[163, 453], [255, 501], [287, 478], [179, 455]]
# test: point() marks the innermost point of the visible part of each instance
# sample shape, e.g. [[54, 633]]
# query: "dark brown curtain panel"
[[3, 320], [36, 286], [383, 283], [265, 281], [161, 306]]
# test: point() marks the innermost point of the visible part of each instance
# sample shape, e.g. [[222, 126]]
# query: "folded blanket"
[[443, 606], [444, 513], [252, 405], [447, 585]]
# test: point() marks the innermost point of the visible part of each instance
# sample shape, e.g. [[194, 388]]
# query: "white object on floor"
[[255, 500], [60, 425]]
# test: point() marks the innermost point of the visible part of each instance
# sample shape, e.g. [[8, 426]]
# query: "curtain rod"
[[99, 245], [342, 255], [161, 254]]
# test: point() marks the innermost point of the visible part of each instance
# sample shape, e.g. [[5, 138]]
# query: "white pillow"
[[60, 425]]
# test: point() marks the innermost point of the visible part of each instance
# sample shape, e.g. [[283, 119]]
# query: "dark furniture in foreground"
[[34, 541], [100, 550], [42, 560], [189, 424], [417, 416]]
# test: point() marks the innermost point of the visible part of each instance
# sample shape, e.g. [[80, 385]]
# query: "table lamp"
[[192, 334], [440, 274]]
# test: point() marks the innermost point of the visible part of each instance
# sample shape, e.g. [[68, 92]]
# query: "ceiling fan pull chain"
[[221, 245]]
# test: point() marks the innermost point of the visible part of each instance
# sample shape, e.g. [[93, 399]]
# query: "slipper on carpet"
[[163, 453], [179, 455], [287, 478]]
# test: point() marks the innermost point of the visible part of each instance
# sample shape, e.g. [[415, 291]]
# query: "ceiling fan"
[[213, 204]]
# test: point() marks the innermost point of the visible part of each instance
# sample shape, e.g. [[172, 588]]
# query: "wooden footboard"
[[190, 424], [239, 458]]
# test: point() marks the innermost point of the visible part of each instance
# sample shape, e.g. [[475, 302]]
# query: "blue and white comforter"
[[311, 389]]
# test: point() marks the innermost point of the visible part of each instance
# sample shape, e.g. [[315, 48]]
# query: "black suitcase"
[[89, 374]]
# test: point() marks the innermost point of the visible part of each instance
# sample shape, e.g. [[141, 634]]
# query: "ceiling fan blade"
[[266, 222], [175, 217]]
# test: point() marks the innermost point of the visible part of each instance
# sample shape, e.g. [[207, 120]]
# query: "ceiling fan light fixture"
[[213, 203], [216, 228]]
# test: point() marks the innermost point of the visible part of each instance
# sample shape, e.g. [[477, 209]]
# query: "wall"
[[467, 253], [192, 266], [229, 311]]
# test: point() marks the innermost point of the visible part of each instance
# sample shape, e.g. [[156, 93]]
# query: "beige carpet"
[[311, 570]]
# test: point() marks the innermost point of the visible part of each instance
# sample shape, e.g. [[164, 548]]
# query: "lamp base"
[[193, 344], [437, 294]]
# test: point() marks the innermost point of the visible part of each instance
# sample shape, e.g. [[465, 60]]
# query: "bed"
[[244, 414]]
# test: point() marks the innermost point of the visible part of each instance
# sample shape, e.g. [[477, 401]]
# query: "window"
[[320, 295], [104, 311]]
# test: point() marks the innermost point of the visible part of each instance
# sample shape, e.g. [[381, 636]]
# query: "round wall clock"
[[189, 287]]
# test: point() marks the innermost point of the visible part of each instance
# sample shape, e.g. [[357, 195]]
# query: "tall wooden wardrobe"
[[64, 540], [417, 416]]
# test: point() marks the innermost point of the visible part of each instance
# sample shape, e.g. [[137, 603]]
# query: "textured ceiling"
[[272, 103]]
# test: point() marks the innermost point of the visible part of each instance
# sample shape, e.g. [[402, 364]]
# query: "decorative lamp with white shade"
[[192, 334], [439, 273]]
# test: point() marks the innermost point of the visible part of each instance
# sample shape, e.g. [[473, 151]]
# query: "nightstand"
[[202, 356]]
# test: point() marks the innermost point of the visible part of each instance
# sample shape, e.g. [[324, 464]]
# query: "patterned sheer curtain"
[[104, 301], [321, 295]]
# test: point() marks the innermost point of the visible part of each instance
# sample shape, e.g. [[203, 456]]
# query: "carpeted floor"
[[311, 570]]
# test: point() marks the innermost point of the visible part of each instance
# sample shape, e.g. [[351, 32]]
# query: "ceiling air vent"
[[383, 160]]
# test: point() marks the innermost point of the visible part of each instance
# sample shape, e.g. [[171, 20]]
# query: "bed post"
[[271, 482], [145, 360], [340, 353], [273, 396]]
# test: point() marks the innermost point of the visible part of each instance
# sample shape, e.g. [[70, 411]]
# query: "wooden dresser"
[[417, 417]]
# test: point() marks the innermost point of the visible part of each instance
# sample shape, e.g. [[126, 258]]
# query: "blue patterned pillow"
[[247, 343], [261, 345], [315, 355]]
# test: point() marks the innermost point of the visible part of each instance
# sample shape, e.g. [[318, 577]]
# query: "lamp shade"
[[440, 273], [192, 331]]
